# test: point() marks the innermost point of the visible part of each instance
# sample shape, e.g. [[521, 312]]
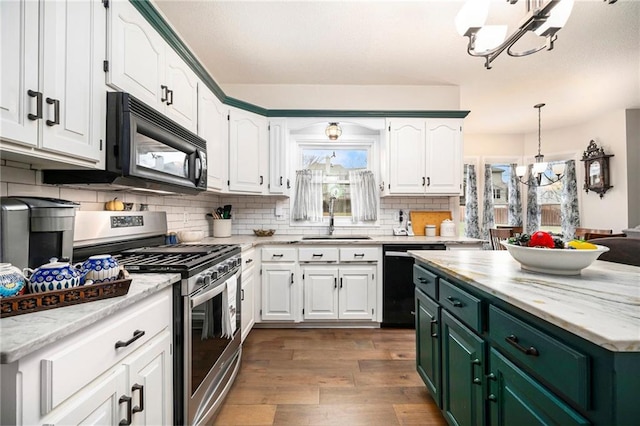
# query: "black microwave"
[[145, 150]]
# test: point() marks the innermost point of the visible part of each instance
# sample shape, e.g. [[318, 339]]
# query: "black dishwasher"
[[398, 299]]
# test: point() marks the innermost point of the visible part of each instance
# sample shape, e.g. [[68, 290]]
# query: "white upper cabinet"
[[213, 126], [53, 95], [143, 64], [279, 181], [424, 156], [248, 152]]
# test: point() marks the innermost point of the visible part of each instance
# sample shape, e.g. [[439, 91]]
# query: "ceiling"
[[594, 67]]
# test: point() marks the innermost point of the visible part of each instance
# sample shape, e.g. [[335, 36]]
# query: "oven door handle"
[[207, 294]]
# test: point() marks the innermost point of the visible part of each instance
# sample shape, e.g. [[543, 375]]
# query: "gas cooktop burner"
[[187, 259]]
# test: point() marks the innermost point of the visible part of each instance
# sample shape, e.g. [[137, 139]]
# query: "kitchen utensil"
[[12, 281], [53, 276], [99, 268], [227, 211]]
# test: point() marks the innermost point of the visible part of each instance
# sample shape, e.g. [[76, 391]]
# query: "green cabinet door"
[[428, 343], [462, 373], [517, 399]]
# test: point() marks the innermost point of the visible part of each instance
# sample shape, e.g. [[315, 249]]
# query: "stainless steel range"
[[206, 301]]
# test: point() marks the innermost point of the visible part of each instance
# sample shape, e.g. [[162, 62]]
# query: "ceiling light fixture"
[[333, 131], [539, 168], [544, 17]]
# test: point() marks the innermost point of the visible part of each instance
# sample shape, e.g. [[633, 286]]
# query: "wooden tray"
[[36, 302], [421, 218]]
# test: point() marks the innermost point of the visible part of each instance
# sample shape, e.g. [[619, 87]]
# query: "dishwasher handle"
[[396, 254]]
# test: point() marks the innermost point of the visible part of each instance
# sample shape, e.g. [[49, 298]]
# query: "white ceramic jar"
[[430, 230], [447, 228]]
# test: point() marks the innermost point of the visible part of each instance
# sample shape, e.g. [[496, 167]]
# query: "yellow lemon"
[[581, 245]]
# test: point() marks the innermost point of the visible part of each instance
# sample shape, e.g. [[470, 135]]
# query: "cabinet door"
[[247, 297], [428, 344], [150, 382], [278, 292], [279, 182], [320, 292], [248, 147], [213, 126], [407, 157], [444, 156], [182, 96], [517, 399], [71, 98], [356, 298], [462, 373], [137, 55], [98, 404], [19, 71]]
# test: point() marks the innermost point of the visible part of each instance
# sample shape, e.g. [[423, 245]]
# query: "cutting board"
[[421, 218]]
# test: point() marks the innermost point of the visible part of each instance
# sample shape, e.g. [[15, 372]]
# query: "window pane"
[[336, 164], [549, 199], [500, 177]]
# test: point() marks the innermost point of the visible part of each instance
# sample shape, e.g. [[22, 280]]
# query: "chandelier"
[[539, 168], [333, 131], [544, 17]]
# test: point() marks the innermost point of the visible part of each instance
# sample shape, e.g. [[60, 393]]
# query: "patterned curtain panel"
[[307, 204], [364, 196], [533, 208], [471, 225], [515, 203], [488, 220], [569, 212]]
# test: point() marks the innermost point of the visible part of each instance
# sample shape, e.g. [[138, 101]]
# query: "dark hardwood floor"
[[329, 377]]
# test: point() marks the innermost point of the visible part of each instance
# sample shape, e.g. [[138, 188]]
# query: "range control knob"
[[223, 269], [203, 280]]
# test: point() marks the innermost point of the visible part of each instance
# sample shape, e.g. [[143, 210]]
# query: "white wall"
[[348, 97]]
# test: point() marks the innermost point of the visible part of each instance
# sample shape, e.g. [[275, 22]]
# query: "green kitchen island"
[[502, 346]]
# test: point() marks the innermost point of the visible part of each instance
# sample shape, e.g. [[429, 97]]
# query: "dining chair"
[[580, 232], [498, 234], [514, 229], [621, 250], [593, 235]]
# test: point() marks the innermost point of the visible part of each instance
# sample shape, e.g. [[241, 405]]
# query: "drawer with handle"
[[318, 254], [550, 359], [359, 254], [425, 281], [279, 254], [460, 303]]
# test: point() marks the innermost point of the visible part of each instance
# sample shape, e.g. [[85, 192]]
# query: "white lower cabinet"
[[116, 371], [280, 288], [248, 293], [345, 292]]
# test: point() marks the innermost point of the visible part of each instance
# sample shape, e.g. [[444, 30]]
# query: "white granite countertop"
[[23, 334], [601, 305], [248, 241]]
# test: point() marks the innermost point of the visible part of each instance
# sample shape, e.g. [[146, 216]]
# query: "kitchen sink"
[[337, 237]]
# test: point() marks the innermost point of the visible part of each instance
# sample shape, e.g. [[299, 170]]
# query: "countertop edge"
[[142, 286]]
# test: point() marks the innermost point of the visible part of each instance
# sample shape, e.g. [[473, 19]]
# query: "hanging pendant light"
[[540, 166], [333, 131]]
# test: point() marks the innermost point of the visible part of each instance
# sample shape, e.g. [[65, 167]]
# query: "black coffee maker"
[[33, 230]]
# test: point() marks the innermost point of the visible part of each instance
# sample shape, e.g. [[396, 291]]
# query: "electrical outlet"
[[185, 218], [400, 216]]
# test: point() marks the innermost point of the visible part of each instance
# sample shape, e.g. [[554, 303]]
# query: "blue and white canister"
[[12, 281], [52, 276], [100, 268]]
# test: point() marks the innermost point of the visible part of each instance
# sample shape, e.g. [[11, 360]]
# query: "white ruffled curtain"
[[307, 204], [364, 196]]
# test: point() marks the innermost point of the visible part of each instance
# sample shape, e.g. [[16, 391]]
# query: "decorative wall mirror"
[[596, 169]]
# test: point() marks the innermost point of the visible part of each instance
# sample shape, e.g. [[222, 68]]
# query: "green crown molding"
[[151, 14]]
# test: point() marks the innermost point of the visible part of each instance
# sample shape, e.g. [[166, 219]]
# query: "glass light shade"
[[489, 37], [558, 168], [472, 15], [333, 131], [521, 171], [557, 18], [539, 167]]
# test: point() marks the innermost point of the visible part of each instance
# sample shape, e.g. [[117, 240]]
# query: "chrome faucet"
[[331, 226]]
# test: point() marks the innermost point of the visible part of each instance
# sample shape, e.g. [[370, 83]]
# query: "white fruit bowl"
[[554, 261], [190, 236]]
